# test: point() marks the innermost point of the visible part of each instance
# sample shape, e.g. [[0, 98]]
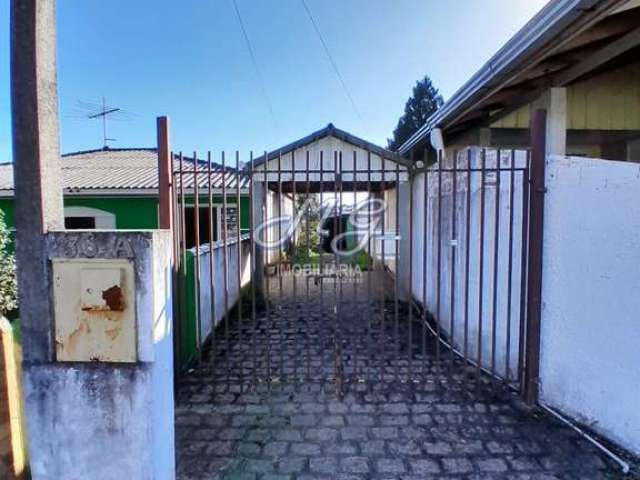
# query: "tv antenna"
[[104, 112]]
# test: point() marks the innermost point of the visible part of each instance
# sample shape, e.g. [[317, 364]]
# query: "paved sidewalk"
[[442, 426]]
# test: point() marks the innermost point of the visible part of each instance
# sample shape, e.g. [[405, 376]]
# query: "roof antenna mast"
[[93, 111], [103, 114]]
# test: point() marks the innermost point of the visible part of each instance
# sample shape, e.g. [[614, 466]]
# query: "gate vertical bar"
[[425, 221], [308, 259], [321, 332], [279, 317], [225, 264], [196, 272], [481, 265], [371, 310], [212, 273], [292, 232], [340, 371], [381, 340], [496, 246], [439, 260], [252, 280], [183, 231], [534, 278], [241, 357], [410, 294], [510, 264], [177, 318], [267, 254], [453, 247], [165, 214], [467, 242], [396, 289], [523, 268], [352, 274]]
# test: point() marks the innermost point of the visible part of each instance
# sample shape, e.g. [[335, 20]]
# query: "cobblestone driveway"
[[444, 426]]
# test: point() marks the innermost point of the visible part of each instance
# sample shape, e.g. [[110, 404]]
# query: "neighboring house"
[[580, 60], [118, 189]]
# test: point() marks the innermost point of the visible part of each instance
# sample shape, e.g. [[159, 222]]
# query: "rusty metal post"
[[37, 173], [534, 272], [165, 175]]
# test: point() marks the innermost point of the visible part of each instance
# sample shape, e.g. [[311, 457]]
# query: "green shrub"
[[363, 260], [8, 283]]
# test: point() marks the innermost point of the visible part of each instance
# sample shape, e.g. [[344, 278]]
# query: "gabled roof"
[[122, 170], [331, 131], [547, 51]]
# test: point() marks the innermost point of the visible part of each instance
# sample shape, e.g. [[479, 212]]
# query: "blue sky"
[[188, 60]]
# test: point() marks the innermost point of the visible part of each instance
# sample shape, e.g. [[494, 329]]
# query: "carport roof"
[[331, 131]]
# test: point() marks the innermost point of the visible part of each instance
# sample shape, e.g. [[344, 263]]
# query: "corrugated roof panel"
[[124, 169]]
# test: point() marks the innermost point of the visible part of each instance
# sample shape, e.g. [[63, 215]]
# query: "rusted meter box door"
[[94, 302]]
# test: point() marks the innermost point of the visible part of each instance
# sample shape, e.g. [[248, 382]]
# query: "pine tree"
[[423, 103]]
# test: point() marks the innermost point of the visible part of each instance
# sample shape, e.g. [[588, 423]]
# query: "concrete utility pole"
[[98, 406], [37, 176]]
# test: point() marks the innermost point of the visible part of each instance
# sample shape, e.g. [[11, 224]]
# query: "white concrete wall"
[[590, 339], [277, 206], [390, 241], [427, 243], [162, 412], [109, 420], [216, 309]]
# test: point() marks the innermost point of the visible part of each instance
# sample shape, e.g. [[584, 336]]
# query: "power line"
[[332, 61], [255, 65]]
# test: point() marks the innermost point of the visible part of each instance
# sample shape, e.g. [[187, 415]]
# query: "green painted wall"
[[142, 213], [134, 213], [187, 311], [131, 212]]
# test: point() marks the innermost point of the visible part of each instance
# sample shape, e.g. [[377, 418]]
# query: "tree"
[[421, 105], [307, 234], [8, 284]]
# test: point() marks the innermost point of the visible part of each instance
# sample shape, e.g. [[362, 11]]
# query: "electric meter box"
[[95, 312]]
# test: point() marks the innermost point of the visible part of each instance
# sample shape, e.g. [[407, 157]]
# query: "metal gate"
[[350, 267]]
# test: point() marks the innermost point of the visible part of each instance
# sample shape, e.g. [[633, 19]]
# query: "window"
[[88, 218], [80, 223]]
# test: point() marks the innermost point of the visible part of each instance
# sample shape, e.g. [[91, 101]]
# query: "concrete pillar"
[[554, 101], [557, 121], [98, 401], [403, 268], [37, 175]]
